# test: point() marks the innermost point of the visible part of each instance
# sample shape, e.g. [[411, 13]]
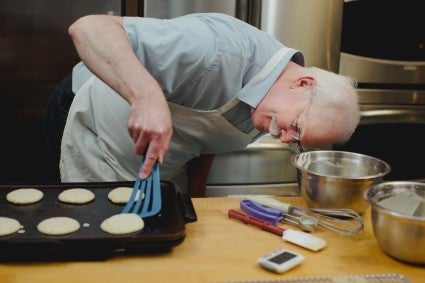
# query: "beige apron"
[[96, 145]]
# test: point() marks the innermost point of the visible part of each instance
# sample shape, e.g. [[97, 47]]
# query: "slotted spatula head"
[[150, 188]]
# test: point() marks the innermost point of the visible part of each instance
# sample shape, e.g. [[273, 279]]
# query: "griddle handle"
[[188, 211]]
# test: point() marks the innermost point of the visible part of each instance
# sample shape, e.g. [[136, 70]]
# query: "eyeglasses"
[[296, 146]]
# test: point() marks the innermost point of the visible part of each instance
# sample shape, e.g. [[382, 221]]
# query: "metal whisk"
[[342, 221]]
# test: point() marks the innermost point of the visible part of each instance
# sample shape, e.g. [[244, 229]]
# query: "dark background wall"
[[35, 53]]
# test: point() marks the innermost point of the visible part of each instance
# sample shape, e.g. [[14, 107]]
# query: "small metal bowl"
[[398, 219], [337, 179]]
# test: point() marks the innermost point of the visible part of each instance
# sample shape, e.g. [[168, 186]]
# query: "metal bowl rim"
[[374, 205], [387, 170]]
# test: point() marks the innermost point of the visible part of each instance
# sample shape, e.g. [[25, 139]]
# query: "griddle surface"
[[161, 232]]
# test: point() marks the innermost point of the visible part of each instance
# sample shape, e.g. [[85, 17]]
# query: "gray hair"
[[337, 92]]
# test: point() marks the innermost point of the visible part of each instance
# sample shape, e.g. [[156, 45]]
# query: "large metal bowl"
[[337, 179], [398, 219]]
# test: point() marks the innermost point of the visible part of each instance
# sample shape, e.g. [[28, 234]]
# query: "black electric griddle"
[[161, 232]]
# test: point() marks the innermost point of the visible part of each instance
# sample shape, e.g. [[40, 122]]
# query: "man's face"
[[295, 118]]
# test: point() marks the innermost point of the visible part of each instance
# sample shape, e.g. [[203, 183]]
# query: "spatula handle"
[[256, 222], [270, 202]]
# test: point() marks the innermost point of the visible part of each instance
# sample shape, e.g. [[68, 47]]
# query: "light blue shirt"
[[202, 61]]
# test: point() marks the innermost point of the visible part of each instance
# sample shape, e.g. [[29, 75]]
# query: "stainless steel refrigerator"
[[311, 26]]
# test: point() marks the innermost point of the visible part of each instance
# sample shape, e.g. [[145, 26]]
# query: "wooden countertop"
[[220, 249]]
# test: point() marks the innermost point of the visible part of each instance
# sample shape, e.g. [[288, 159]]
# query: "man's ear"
[[305, 81]]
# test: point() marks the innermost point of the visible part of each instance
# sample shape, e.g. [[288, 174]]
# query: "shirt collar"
[[253, 94]]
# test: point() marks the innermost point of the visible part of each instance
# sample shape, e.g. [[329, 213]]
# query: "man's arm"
[[103, 46]]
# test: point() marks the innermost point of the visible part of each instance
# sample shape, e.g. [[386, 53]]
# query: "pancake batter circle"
[[58, 226], [76, 196], [121, 195], [9, 226], [123, 223], [24, 196]]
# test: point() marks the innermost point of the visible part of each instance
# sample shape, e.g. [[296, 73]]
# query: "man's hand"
[[103, 46], [150, 126]]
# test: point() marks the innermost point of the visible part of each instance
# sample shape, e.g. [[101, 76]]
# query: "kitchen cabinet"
[[35, 54]]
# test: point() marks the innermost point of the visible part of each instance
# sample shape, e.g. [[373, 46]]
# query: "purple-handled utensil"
[[269, 214], [274, 215]]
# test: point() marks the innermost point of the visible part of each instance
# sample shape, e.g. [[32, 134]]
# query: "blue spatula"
[[150, 188]]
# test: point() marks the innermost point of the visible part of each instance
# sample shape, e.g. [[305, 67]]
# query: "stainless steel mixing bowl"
[[398, 219], [337, 179]]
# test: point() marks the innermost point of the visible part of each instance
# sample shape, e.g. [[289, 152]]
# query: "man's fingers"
[[142, 144], [148, 164]]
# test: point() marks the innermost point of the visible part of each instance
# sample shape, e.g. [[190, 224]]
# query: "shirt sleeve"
[[172, 50], [200, 60]]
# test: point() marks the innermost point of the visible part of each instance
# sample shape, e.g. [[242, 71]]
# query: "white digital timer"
[[280, 260]]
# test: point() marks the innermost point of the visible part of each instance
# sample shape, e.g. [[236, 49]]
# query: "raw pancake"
[[9, 226], [123, 223], [24, 196], [121, 195], [76, 195], [58, 226]]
